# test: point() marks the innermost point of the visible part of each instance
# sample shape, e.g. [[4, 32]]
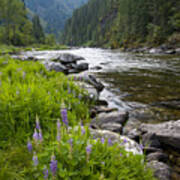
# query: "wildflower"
[[70, 141], [89, 149], [125, 141], [109, 142], [40, 137], [29, 146], [82, 130], [35, 159], [37, 123], [58, 124], [46, 173], [35, 135], [64, 116], [141, 147], [53, 165], [102, 140]]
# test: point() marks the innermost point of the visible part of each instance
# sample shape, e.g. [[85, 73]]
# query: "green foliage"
[[27, 90], [117, 23]]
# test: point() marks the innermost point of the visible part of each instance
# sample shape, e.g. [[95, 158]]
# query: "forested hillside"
[[15, 27], [119, 23], [54, 13]]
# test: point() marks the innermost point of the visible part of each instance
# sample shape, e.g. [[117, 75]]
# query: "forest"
[[117, 23]]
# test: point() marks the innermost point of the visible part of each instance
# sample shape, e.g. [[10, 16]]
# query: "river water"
[[146, 85]]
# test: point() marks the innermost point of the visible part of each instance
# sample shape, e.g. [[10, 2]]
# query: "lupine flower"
[[88, 149], [35, 135], [70, 141], [37, 123], [53, 165], [64, 116], [109, 142], [82, 130], [125, 141], [35, 159], [46, 173], [141, 147], [121, 154], [40, 136], [58, 137], [102, 140], [58, 124], [29, 146]]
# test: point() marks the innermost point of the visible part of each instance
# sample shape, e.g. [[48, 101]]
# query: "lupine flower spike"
[[53, 165], [109, 142], [29, 146], [46, 173], [37, 123], [64, 116], [35, 135], [88, 151], [35, 159], [102, 140]]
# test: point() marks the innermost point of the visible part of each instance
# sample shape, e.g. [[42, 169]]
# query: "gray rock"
[[55, 66], [114, 127], [167, 133], [155, 51], [157, 156], [82, 67], [103, 119], [66, 58], [123, 141], [170, 51], [161, 170], [96, 68], [178, 51]]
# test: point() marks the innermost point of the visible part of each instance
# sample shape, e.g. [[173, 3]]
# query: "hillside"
[[54, 13], [122, 22]]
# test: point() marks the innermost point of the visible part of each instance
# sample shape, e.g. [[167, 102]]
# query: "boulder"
[[155, 51], [113, 119], [66, 58], [82, 67], [96, 68], [123, 141], [170, 51], [157, 156], [56, 66], [161, 170], [167, 133], [178, 51]]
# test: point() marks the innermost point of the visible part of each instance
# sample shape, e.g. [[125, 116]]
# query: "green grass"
[[28, 91]]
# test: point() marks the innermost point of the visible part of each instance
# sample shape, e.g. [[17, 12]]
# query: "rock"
[[178, 51], [171, 51], [104, 109], [92, 91], [155, 51], [114, 127], [167, 133], [101, 102], [161, 170], [123, 141], [134, 134], [157, 156], [103, 119], [96, 68], [82, 67], [150, 140], [55, 66], [24, 57], [173, 104], [66, 58], [149, 150]]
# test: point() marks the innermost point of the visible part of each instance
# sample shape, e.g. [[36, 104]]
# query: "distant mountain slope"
[[118, 23], [54, 12]]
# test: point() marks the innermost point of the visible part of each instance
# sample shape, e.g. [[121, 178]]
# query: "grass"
[[29, 92]]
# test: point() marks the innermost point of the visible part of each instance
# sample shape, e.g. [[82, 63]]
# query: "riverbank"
[[40, 116]]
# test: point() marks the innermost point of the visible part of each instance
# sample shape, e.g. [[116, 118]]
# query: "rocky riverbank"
[[154, 139]]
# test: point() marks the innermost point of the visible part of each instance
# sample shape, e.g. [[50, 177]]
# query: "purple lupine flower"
[[37, 123], [35, 159], [141, 147], [82, 130], [40, 136], [70, 141], [109, 142], [53, 165], [121, 154], [88, 149], [35, 135], [102, 140], [58, 137], [64, 116], [58, 124], [29, 146], [125, 141], [46, 173]]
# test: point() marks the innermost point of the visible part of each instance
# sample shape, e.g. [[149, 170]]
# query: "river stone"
[[161, 170], [82, 67], [157, 156], [56, 66], [114, 127], [123, 141], [155, 51], [167, 133], [66, 58], [116, 117]]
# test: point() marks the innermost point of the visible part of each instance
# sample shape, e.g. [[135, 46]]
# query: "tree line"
[[16, 28], [119, 23]]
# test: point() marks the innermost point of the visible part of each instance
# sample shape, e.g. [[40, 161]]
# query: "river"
[[146, 85]]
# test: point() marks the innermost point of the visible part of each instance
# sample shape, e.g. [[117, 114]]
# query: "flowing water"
[[146, 84]]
